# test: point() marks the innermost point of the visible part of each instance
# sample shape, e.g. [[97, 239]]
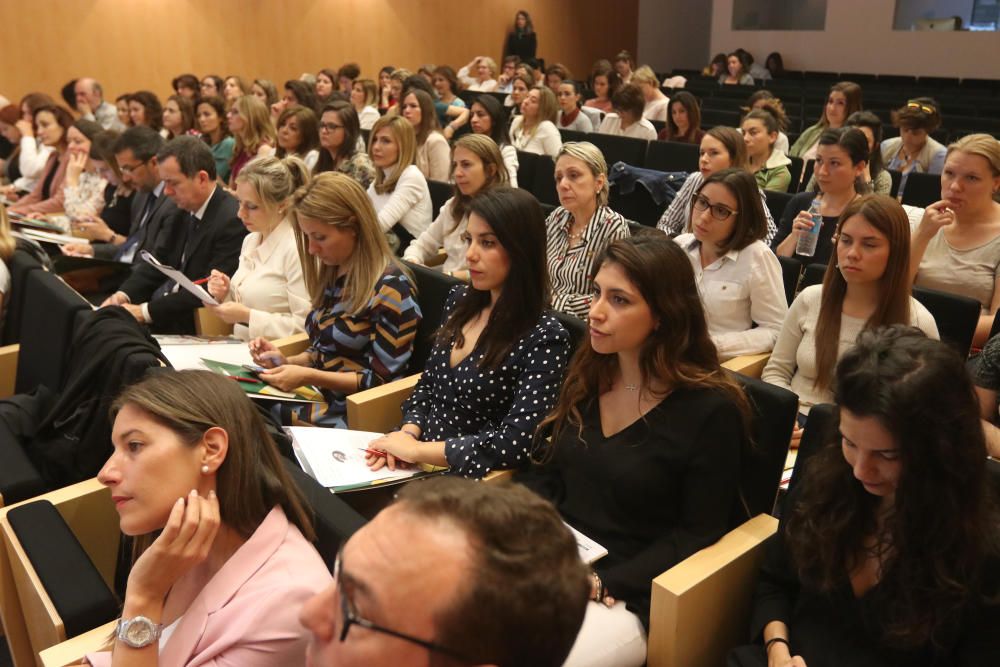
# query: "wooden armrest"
[[207, 323], [72, 651], [498, 476], [8, 369], [701, 606], [294, 344], [438, 259], [380, 409], [87, 509], [751, 365]]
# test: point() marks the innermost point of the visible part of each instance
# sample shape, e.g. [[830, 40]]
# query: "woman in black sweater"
[[522, 40]]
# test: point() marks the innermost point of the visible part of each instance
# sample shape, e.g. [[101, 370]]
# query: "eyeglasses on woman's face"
[[719, 211]]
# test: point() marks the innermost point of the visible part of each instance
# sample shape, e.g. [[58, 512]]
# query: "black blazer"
[[162, 216], [216, 246]]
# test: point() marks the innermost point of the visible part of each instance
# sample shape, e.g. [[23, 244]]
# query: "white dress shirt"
[[546, 139], [642, 129], [740, 289], [409, 204]]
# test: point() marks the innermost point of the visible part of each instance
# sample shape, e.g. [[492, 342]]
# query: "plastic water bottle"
[[806, 245]]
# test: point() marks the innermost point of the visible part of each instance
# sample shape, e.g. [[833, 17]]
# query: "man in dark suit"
[[208, 235]]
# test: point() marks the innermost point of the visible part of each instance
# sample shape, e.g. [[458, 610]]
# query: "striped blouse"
[[678, 214], [376, 343], [571, 269]]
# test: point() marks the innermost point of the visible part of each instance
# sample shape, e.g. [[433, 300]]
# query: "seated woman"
[[914, 149], [480, 75], [267, 294], [739, 278], [604, 82], [477, 167], [555, 74], [364, 97], [768, 165], [186, 85], [365, 312], [178, 116], [446, 86], [766, 101], [215, 133], [399, 192], [642, 451], [233, 89], [581, 227], [222, 557], [627, 120], [327, 82], [956, 245], [840, 165], [871, 564], [519, 88], [624, 63], [118, 196], [498, 360], [295, 92], [30, 156], [83, 189], [7, 246], [717, 66], [488, 118], [339, 138], [721, 148], [144, 108], [265, 91], [211, 85], [570, 117], [656, 102], [866, 285], [876, 177], [433, 154], [843, 100], [51, 125], [298, 134], [534, 131], [121, 108], [683, 120], [737, 71], [250, 124]]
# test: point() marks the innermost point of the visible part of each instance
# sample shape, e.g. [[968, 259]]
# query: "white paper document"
[[186, 356], [48, 237], [335, 457], [590, 551], [179, 278]]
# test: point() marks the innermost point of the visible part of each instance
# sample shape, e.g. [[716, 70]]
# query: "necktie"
[[127, 252]]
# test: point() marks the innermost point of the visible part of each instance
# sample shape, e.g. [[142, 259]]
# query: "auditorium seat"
[[956, 316], [791, 271], [922, 190], [672, 156], [776, 202], [629, 150], [440, 193]]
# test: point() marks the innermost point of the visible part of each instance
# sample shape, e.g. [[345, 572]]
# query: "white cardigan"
[[545, 141], [442, 233], [408, 204]]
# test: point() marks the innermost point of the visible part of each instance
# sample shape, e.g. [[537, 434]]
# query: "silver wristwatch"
[[138, 632]]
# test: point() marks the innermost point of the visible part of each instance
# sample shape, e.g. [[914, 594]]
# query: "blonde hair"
[[259, 129], [645, 75], [548, 109], [590, 155], [985, 146], [406, 139], [7, 241], [492, 64], [371, 90], [400, 75], [484, 148], [274, 179], [337, 200]]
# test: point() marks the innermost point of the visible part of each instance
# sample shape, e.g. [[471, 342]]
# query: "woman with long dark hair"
[[488, 117], [340, 145]]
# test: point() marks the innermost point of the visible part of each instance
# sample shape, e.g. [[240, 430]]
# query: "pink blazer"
[[247, 615], [33, 203]]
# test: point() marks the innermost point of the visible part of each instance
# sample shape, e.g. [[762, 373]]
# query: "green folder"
[[255, 387]]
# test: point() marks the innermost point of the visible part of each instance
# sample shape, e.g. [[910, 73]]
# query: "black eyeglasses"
[[719, 212], [350, 617]]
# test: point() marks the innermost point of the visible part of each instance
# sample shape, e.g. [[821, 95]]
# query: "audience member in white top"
[[33, 154], [518, 91], [738, 276], [866, 285], [488, 118], [267, 294], [623, 65], [399, 191], [627, 120], [298, 134], [570, 115], [656, 102], [364, 97], [534, 131], [433, 154], [765, 99], [477, 166], [83, 188], [485, 70]]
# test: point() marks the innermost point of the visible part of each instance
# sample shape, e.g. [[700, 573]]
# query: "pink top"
[[247, 614], [595, 103], [33, 203]]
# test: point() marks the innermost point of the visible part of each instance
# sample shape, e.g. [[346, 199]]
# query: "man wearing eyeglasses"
[[455, 572]]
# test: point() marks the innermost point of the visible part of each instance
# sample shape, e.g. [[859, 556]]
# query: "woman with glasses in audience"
[[250, 124], [498, 359], [604, 82], [887, 552], [768, 165], [956, 244], [840, 166], [534, 131], [739, 278], [644, 400], [144, 108], [219, 529], [487, 118], [683, 120], [298, 134], [581, 227], [721, 148], [365, 313], [178, 117], [267, 294], [914, 149], [399, 192], [866, 285], [433, 154], [477, 167], [339, 140], [215, 133], [364, 97], [843, 100], [211, 86], [570, 117], [51, 125], [627, 119]]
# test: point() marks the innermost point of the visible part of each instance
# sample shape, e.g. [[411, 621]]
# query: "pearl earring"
[[204, 470]]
